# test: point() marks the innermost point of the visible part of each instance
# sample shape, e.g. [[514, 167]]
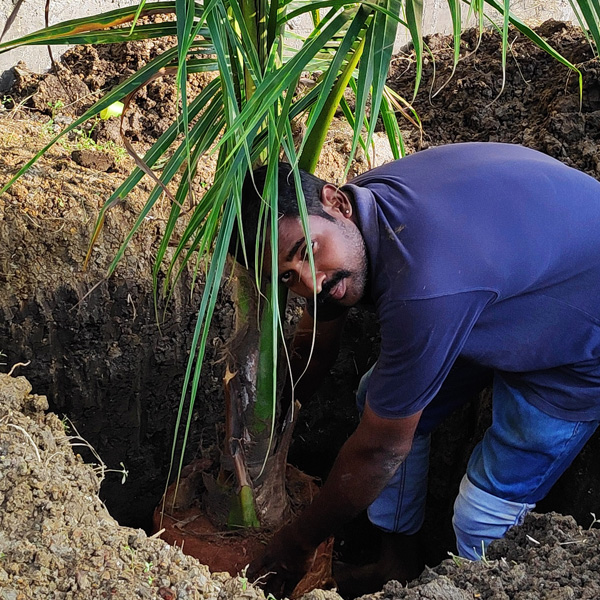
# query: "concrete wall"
[[31, 17]]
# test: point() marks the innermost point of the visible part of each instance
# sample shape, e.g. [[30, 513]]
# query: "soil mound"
[[548, 558], [57, 538], [59, 541], [536, 102]]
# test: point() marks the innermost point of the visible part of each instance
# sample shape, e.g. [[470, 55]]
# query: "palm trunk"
[[255, 448]]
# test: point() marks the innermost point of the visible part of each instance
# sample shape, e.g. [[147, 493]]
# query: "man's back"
[[489, 251]]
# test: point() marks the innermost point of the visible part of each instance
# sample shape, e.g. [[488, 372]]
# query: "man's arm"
[[363, 467]]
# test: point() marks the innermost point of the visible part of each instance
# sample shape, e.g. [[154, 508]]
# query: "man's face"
[[339, 256]]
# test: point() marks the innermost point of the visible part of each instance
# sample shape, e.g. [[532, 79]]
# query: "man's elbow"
[[389, 458], [387, 442]]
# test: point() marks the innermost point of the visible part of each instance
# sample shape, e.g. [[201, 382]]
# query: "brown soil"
[[58, 539], [549, 557], [539, 105], [100, 357]]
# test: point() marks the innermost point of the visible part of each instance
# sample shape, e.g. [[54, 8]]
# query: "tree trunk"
[[257, 437]]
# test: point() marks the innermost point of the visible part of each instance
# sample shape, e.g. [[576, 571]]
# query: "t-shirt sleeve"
[[420, 340]]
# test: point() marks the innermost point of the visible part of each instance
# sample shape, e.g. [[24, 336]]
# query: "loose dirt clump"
[[548, 558], [85, 73]]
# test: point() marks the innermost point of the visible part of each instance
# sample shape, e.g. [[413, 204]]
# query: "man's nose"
[[306, 277]]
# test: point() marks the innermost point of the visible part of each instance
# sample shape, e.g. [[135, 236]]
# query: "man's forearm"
[[352, 485], [364, 465]]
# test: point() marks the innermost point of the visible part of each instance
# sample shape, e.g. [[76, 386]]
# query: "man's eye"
[[285, 277]]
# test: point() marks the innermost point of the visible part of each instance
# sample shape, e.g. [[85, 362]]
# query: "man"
[[483, 262]]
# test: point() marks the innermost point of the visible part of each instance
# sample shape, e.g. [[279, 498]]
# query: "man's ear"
[[334, 200]]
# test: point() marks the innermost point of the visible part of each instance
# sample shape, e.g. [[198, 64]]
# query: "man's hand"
[[363, 467], [284, 562]]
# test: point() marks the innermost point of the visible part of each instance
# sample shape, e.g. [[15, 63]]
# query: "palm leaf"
[[207, 101], [270, 89], [61, 32], [414, 19], [588, 15], [331, 91]]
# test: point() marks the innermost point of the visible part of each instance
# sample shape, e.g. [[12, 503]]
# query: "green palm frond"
[[588, 15]]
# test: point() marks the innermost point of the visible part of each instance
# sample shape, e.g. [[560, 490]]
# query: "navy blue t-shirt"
[[490, 252]]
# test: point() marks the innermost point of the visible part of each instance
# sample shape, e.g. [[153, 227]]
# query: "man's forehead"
[[290, 229]]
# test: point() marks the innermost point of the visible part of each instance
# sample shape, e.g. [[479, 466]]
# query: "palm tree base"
[[191, 523]]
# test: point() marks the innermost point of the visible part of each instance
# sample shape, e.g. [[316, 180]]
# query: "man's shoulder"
[[430, 162]]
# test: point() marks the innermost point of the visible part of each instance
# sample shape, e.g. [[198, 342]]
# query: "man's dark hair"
[[287, 205]]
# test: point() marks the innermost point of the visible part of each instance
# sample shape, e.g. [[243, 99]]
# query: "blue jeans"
[[521, 456]]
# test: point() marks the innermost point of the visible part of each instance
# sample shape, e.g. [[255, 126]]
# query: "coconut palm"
[[245, 116]]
